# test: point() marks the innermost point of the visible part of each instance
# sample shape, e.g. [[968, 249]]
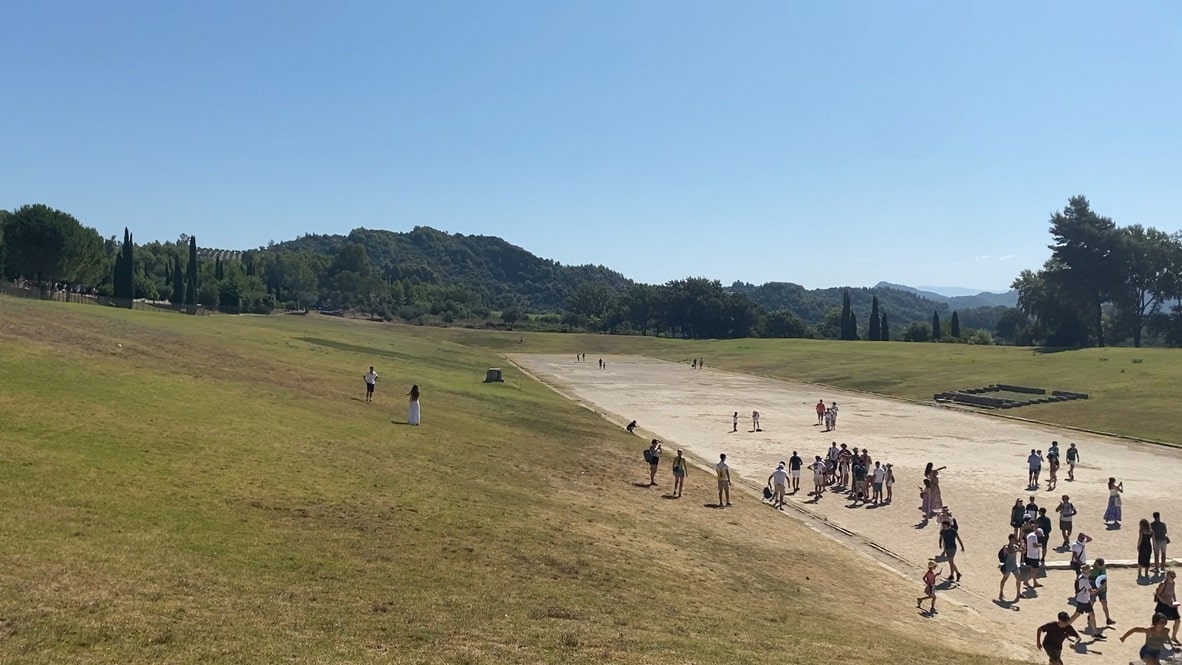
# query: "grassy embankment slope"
[[1132, 391], [215, 489]]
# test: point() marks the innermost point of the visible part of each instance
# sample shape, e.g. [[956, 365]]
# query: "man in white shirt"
[[371, 377], [779, 482], [878, 478], [1033, 558], [1085, 593], [1079, 554], [724, 481], [818, 467]]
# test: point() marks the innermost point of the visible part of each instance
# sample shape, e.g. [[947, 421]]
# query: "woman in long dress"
[[1144, 548], [412, 417], [1112, 514]]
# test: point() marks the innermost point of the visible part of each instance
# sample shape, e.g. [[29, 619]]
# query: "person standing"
[[1157, 639], [1017, 515], [735, 422], [1079, 552], [1043, 523], [724, 481], [1167, 602], [890, 482], [1144, 548], [833, 415], [755, 421], [1112, 514], [1053, 466], [936, 497], [794, 464], [1099, 579], [878, 477], [1050, 637], [779, 482], [1008, 562], [818, 467], [678, 474], [654, 461], [412, 416], [1066, 511], [821, 412], [949, 539], [371, 377], [1032, 558], [929, 587], [1160, 540], [1072, 460]]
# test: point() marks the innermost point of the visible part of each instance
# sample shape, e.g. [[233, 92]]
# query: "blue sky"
[[823, 143]]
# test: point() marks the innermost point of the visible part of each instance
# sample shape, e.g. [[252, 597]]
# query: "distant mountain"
[[960, 298]]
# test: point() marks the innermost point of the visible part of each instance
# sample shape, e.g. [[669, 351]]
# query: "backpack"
[[648, 455], [1003, 553]]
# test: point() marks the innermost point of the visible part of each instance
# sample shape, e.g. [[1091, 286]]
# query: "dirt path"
[[985, 456]]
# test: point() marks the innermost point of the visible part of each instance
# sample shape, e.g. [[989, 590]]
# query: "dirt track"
[[986, 460]]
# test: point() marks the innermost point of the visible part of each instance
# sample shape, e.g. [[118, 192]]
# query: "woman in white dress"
[[412, 417]]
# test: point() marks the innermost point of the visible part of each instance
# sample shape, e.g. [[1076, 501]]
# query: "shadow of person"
[[644, 485]]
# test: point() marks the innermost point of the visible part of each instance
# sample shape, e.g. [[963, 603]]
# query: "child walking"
[[929, 587]]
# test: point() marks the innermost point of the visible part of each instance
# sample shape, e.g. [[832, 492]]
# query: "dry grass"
[[215, 490]]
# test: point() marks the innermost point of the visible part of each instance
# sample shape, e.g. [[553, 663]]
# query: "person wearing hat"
[[929, 587], [1085, 595], [778, 481]]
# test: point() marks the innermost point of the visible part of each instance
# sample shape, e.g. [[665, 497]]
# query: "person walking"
[[1050, 637], [1160, 540], [1034, 466], [1053, 466], [1072, 460], [1007, 558], [1157, 639], [735, 422], [1144, 548], [724, 481], [1032, 558], [778, 481], [1066, 512], [1167, 602], [412, 414], [929, 587], [1099, 579], [1085, 596], [755, 421], [1043, 523], [1112, 514], [653, 457], [371, 377], [949, 539], [678, 474], [1017, 515]]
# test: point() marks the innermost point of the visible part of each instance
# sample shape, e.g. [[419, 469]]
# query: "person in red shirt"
[[929, 587], [821, 412]]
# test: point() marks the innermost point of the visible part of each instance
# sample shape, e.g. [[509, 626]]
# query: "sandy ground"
[[986, 471]]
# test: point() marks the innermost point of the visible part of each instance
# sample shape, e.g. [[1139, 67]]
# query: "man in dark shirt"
[[1160, 539], [794, 471], [1043, 522], [1050, 637], [949, 539]]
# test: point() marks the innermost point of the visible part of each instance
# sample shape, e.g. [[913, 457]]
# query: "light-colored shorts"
[[795, 474], [723, 484]]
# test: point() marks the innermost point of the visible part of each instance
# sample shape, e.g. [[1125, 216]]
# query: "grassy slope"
[[1126, 386], [215, 489]]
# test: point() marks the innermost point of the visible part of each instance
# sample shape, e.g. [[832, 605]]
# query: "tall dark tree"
[[1083, 260], [954, 325], [177, 296], [124, 274], [848, 329], [874, 333], [853, 325], [191, 281], [48, 245], [885, 331], [935, 326]]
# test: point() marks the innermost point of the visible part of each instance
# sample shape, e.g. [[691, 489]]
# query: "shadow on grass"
[[354, 348]]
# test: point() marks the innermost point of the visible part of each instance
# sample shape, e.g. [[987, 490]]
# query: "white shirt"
[[834, 451], [879, 474], [780, 476], [1083, 589], [370, 377], [818, 467], [723, 471], [1079, 551], [1033, 549], [1066, 512]]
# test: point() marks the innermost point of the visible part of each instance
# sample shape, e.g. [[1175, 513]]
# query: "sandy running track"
[[986, 460]]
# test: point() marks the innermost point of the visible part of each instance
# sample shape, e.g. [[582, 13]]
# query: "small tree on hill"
[[954, 325], [884, 333], [874, 333], [935, 326]]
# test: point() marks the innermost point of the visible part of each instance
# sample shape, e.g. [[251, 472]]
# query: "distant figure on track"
[[735, 422], [724, 481], [929, 587], [1112, 514], [371, 377], [755, 421], [678, 474], [821, 412], [1072, 460], [412, 416]]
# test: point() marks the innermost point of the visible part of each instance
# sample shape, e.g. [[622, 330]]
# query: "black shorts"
[[1170, 612], [1083, 608], [368, 387], [1054, 652], [1033, 563]]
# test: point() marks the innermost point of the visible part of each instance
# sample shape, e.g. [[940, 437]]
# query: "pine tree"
[[884, 334], [954, 326], [191, 282], [935, 326], [847, 330], [875, 331], [853, 325], [178, 282]]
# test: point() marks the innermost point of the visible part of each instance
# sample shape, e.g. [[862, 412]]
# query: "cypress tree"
[[178, 282], [191, 282], [935, 326], [217, 269], [853, 325], [954, 326], [884, 333], [846, 328], [875, 331]]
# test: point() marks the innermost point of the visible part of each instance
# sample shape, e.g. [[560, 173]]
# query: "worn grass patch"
[[183, 490]]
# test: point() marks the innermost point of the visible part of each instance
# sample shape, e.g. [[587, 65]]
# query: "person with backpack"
[[1007, 562], [1085, 595], [652, 455], [1099, 579], [1079, 556], [1066, 512]]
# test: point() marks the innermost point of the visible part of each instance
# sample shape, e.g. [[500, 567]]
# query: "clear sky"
[[819, 142]]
